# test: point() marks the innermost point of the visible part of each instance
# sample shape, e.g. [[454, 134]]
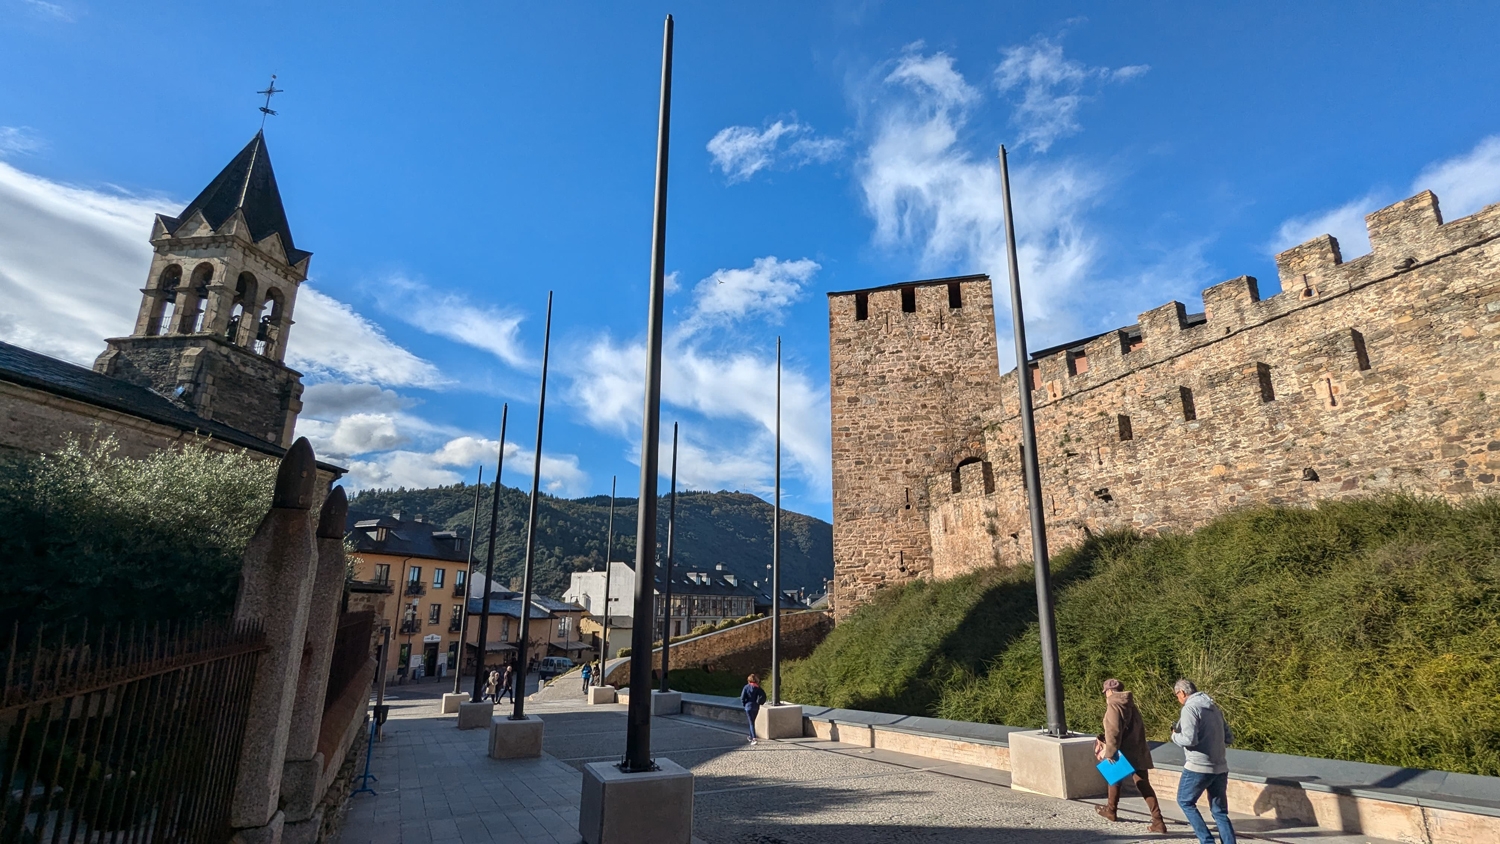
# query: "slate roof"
[[404, 538], [248, 184], [554, 605], [510, 607], [60, 378]]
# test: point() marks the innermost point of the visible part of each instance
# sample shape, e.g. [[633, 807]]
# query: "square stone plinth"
[[475, 716], [451, 702], [511, 739], [778, 722], [666, 703], [1056, 767], [653, 807], [601, 694]]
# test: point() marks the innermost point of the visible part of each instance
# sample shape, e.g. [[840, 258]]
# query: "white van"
[[553, 666]]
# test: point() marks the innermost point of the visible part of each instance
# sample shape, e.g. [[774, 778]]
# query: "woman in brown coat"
[[1125, 733]]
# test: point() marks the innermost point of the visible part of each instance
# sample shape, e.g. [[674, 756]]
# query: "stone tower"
[[913, 370], [217, 307]]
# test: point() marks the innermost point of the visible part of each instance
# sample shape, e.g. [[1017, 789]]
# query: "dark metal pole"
[[463, 627], [1057, 723], [489, 566], [609, 549], [638, 719], [776, 551], [519, 700], [666, 624]]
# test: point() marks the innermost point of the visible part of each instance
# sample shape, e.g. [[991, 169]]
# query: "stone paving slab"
[[438, 786]]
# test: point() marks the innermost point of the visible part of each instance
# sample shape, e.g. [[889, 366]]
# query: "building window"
[[1078, 362], [382, 573], [909, 300], [1035, 370], [1267, 389], [437, 578], [452, 655], [861, 306], [1361, 354], [1189, 408], [414, 574], [562, 627], [460, 578], [435, 613], [1125, 431], [955, 295]]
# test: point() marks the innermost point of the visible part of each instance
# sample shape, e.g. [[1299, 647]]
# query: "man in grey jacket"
[[1203, 736]]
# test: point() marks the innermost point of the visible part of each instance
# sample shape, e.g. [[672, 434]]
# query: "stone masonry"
[[1376, 374]]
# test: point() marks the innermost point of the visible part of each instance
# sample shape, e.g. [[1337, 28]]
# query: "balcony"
[[415, 588], [460, 589], [411, 627], [455, 624]]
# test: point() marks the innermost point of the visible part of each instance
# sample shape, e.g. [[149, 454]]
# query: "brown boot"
[[1107, 811], [1157, 824]]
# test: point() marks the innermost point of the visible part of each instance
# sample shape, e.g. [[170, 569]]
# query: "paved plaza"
[[437, 786]]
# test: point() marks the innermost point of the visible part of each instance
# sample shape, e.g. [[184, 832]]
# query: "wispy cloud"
[[333, 340], [1052, 88], [19, 140], [742, 151], [488, 328], [765, 288], [1346, 222], [52, 11]]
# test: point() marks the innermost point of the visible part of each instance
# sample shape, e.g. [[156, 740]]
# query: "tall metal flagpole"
[[776, 551], [666, 597], [519, 699], [1057, 723], [489, 566], [463, 627], [609, 548], [638, 718]]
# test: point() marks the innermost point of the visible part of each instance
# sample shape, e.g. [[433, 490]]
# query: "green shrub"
[[1365, 630], [87, 533]]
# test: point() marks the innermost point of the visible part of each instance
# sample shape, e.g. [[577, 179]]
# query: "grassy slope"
[[1364, 630]]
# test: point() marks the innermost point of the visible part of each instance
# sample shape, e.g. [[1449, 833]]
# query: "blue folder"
[[1115, 770]]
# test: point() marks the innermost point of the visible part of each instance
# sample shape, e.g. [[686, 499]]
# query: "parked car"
[[553, 666]]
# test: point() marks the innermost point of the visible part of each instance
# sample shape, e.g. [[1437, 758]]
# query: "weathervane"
[[265, 110]]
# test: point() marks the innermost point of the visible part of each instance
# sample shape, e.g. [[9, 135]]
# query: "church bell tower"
[[216, 311]]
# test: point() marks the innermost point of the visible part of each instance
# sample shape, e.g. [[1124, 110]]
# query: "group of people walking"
[[591, 675], [1203, 735], [500, 683]]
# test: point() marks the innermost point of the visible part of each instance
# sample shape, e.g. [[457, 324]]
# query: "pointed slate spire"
[[249, 184]]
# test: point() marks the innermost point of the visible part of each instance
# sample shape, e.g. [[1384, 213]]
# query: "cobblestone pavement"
[[438, 787]]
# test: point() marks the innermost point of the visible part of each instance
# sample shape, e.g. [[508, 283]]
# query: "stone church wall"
[[1382, 373]]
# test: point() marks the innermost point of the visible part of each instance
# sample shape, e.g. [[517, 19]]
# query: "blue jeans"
[[1190, 788], [750, 713]]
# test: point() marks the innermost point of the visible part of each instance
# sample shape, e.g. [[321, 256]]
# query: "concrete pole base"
[[601, 694], [1056, 767], [666, 703], [652, 807], [452, 701], [475, 716], [516, 739], [779, 722]]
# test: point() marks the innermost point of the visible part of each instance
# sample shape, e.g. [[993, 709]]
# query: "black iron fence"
[[129, 734]]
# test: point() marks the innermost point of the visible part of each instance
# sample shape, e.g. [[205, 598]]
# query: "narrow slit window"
[[861, 306], [955, 295], [1123, 422], [989, 478], [958, 484], [1078, 362], [1361, 354], [909, 300], [1035, 370], [1189, 407], [1267, 389]]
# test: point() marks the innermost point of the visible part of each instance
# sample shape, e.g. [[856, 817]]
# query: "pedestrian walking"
[[588, 674], [1203, 735], [751, 697], [508, 683], [1125, 734], [491, 686]]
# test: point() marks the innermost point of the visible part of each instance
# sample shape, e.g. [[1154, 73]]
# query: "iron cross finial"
[[265, 110]]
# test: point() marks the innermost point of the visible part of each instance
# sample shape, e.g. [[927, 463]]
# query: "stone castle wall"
[[1382, 373]]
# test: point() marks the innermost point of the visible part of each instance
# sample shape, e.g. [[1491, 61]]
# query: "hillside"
[[1360, 630], [731, 528]]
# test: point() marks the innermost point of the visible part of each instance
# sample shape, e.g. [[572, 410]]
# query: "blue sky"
[[450, 163]]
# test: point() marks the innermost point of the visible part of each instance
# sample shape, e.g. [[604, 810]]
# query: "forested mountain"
[[731, 528]]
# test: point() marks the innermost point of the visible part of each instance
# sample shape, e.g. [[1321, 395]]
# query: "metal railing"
[[459, 590], [415, 587], [455, 624], [127, 734], [410, 627]]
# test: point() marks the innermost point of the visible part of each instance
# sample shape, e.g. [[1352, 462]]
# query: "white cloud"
[[455, 460], [55, 11], [929, 195], [1052, 89], [332, 340], [19, 140], [743, 151], [1465, 183], [766, 287], [331, 399], [1346, 222], [451, 315]]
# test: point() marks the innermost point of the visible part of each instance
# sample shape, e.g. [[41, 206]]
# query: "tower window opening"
[[955, 295], [1078, 362], [165, 303], [989, 477], [244, 296], [1035, 371], [909, 300], [190, 321], [1267, 389], [861, 306], [1361, 354], [1189, 407], [1123, 422], [268, 328]]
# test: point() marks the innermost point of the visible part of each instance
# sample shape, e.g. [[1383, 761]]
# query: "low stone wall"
[[741, 649]]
